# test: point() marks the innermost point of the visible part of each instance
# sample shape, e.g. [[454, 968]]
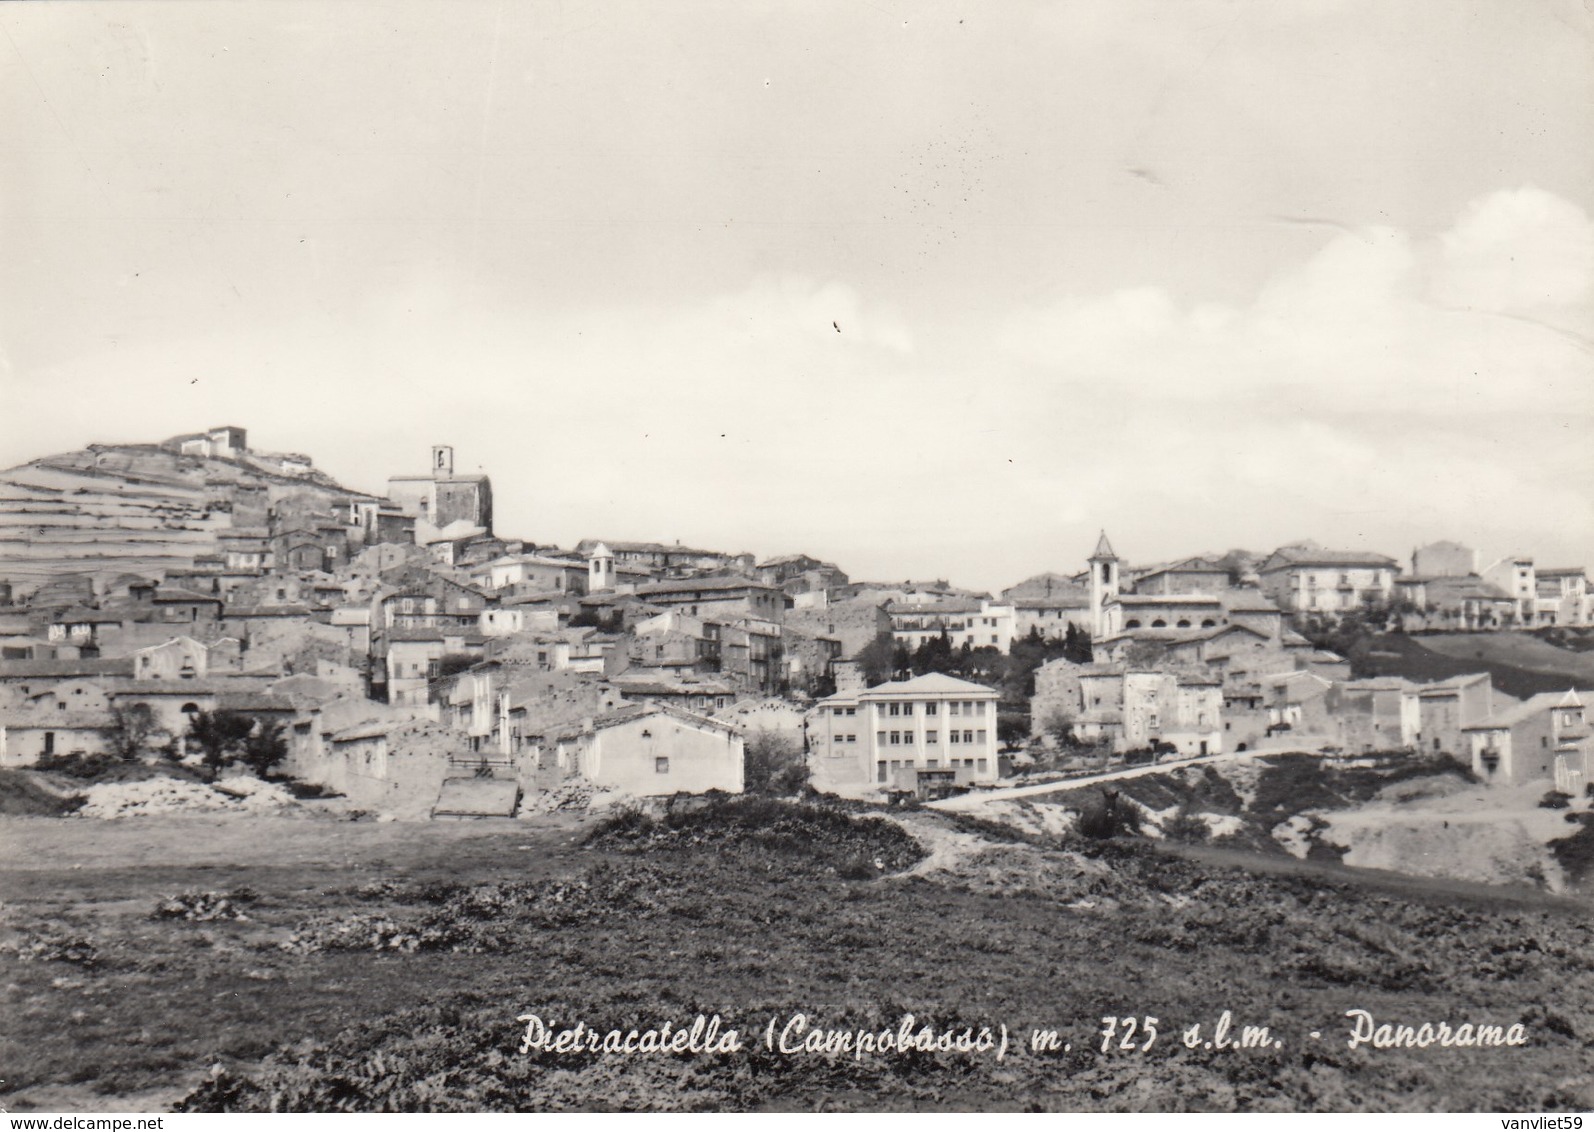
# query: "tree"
[[1012, 728], [934, 655], [877, 659], [219, 735], [129, 730], [1076, 645], [1059, 724], [773, 764], [264, 747]]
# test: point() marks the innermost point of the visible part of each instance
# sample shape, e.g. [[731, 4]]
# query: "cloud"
[[1376, 318], [1516, 251], [1391, 383]]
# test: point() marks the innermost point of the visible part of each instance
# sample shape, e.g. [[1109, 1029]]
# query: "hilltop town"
[[198, 601]]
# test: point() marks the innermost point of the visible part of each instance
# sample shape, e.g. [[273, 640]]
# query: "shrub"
[[1555, 800], [204, 906], [1113, 816], [774, 764], [1186, 825], [821, 834], [88, 768]]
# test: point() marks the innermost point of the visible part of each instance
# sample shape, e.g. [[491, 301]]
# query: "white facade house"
[[1309, 579], [883, 735], [649, 750], [979, 624]]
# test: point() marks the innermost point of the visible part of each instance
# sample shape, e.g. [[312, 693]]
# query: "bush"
[[774, 764], [1186, 825], [1555, 800], [1113, 816], [88, 768], [822, 835], [204, 906]]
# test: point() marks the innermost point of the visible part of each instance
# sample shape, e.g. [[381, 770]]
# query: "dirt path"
[[1425, 887], [973, 801]]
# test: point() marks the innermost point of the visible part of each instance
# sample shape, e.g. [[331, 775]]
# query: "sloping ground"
[[385, 968], [1384, 812], [1397, 654], [24, 794], [1519, 650], [58, 520], [132, 508], [1499, 835]]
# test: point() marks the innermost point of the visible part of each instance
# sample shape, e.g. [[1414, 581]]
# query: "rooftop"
[[722, 582], [1527, 709], [1289, 557], [930, 684]]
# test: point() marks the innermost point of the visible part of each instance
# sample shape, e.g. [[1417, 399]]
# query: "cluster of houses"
[[408, 651]]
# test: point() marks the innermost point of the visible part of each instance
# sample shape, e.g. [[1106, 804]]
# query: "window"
[[932, 737], [968, 736], [835, 711], [895, 709], [661, 765], [951, 709], [980, 765], [979, 736], [852, 711], [896, 738], [907, 709], [979, 709], [953, 736], [929, 709], [881, 769]]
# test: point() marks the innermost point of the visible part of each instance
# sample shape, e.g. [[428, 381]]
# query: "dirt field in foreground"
[[476, 923]]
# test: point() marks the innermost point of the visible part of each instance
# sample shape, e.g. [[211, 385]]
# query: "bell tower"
[[1104, 582], [600, 569], [442, 461]]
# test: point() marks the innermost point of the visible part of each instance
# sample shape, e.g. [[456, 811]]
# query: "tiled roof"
[[121, 666], [632, 712], [173, 593], [931, 683], [708, 584], [1287, 557], [931, 608], [1167, 599], [1527, 709]]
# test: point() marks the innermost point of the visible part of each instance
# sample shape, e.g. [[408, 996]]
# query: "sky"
[[932, 290]]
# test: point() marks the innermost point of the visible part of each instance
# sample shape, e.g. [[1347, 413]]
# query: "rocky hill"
[[141, 508]]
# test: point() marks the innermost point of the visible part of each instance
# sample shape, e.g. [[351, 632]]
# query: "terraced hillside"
[[134, 508]]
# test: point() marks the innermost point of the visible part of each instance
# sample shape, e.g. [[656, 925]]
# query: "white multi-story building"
[[979, 624], [885, 735], [1309, 579]]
